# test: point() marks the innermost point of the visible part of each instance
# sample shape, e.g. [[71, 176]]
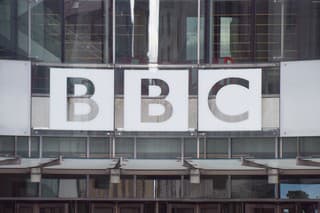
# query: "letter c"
[[214, 108]]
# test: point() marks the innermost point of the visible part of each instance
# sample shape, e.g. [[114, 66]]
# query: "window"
[[289, 147], [14, 29], [124, 147], [178, 32], [309, 146], [209, 187], [302, 30], [159, 148], [253, 147], [216, 148], [239, 31], [251, 187], [132, 22], [63, 186], [23, 146], [7, 145], [65, 146], [300, 187], [99, 147], [13, 185], [76, 32]]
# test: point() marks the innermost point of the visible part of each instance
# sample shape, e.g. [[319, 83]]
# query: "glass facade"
[[170, 35], [162, 32]]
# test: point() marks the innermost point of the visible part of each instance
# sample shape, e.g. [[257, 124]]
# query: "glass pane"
[[146, 187], [99, 209], [190, 148], [129, 210], [7, 145], [65, 146], [46, 30], [302, 29], [289, 147], [88, 31], [17, 186], [271, 80], [23, 146], [228, 29], [132, 21], [267, 30], [99, 147], [260, 208], [310, 146], [35, 144], [124, 147], [14, 28], [300, 187], [64, 187], [253, 147], [209, 187], [40, 80], [182, 210], [178, 26], [169, 187], [158, 148], [99, 186], [217, 148], [251, 187], [124, 189]]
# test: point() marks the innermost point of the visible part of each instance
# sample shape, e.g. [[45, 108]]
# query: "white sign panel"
[[81, 99], [300, 98], [156, 100], [229, 100], [15, 97]]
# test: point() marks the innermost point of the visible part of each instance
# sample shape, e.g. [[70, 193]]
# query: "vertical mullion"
[[29, 28], [62, 21], [88, 147], [253, 30], [198, 33]]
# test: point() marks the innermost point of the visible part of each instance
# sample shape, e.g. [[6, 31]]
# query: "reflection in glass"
[[23, 146], [87, 31], [14, 29], [159, 31], [253, 147], [169, 187], [63, 186], [64, 146], [251, 187], [302, 30], [71, 31], [167, 148], [289, 147], [7, 145], [124, 147], [99, 147], [132, 18], [209, 187], [227, 31], [178, 32], [300, 188], [216, 148], [17, 186], [46, 30], [309, 146], [240, 31]]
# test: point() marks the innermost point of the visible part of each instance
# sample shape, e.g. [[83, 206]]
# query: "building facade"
[[156, 106]]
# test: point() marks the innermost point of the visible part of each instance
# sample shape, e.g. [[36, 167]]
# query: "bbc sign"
[[155, 100]]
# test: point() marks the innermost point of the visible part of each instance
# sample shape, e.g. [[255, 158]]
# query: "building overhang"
[[161, 167]]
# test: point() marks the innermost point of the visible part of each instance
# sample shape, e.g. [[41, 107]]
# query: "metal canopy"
[[161, 167]]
